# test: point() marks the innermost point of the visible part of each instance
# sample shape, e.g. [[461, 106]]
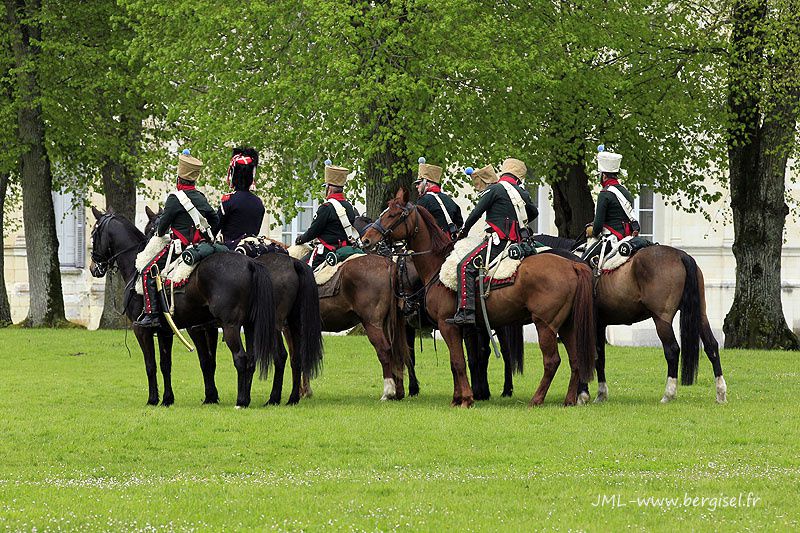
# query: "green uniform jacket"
[[326, 225], [500, 212], [176, 218], [609, 212], [429, 202]]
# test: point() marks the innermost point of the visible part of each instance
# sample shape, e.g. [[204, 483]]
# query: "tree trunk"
[[5, 306], [386, 170], [119, 186], [758, 152], [572, 200], [41, 243]]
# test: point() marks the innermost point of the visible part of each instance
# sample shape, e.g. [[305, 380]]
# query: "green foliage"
[[90, 455]]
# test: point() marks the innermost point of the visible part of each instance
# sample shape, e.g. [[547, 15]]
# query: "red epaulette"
[[225, 197]]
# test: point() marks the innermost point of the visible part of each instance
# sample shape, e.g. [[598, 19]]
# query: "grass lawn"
[[79, 449]]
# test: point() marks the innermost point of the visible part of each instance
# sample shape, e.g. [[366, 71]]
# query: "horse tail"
[[583, 322], [512, 344], [261, 316], [307, 322], [690, 322], [394, 327]]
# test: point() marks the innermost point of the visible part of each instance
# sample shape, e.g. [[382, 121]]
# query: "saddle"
[[501, 267], [179, 267], [325, 272], [619, 254], [257, 246]]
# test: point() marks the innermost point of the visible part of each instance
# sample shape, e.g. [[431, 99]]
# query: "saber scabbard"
[[167, 314]]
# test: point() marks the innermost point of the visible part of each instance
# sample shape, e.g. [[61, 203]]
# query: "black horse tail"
[[513, 345], [307, 322], [394, 327], [690, 322], [583, 322], [262, 316]]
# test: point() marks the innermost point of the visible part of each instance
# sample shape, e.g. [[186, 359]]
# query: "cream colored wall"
[[709, 242]]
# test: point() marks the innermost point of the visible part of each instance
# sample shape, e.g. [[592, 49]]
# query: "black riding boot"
[[150, 319], [466, 315]]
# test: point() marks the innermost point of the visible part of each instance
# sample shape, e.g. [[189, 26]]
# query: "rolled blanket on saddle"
[[196, 253]]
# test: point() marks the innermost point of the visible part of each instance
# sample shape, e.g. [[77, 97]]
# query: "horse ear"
[[97, 213], [149, 212], [402, 195]]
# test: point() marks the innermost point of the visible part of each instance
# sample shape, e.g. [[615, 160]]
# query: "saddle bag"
[[629, 247], [196, 253]]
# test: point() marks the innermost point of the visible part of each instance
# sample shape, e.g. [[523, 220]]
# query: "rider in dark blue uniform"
[[241, 212]]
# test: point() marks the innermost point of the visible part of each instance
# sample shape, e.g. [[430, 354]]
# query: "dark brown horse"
[[367, 296], [656, 283], [226, 289], [550, 291]]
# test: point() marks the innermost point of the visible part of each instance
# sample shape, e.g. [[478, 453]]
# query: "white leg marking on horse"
[[722, 389], [670, 391], [583, 398], [389, 389], [602, 392]]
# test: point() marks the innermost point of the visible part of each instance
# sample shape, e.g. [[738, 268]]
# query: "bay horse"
[[550, 291], [410, 290], [656, 283], [296, 317], [226, 289]]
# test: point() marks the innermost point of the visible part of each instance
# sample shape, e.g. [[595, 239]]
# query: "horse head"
[[394, 224], [152, 221], [112, 236]]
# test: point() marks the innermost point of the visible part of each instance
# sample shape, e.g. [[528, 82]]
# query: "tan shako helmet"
[[336, 176], [515, 167], [189, 167], [430, 173], [482, 178]]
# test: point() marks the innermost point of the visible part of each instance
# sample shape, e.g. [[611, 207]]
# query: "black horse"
[[411, 290], [297, 316], [226, 289]]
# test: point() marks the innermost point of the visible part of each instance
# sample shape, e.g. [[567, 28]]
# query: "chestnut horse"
[[550, 291], [226, 289], [656, 283]]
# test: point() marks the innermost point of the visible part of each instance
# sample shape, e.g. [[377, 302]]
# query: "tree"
[[763, 97], [44, 276], [7, 158]]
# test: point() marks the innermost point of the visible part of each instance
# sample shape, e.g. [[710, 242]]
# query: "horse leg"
[[244, 366], [305, 388], [462, 392], [711, 348], [146, 343], [297, 372], [280, 367], [413, 383], [548, 343], [505, 349], [671, 352], [205, 339], [165, 351], [383, 349]]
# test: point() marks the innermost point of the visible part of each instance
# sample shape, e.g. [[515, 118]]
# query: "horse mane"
[[441, 244]]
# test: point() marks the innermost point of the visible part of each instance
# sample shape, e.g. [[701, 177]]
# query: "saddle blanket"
[[622, 252], [502, 272], [175, 274], [324, 272]]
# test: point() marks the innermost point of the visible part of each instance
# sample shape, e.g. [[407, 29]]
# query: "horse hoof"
[[273, 402], [413, 391], [671, 391], [466, 404], [152, 401], [241, 407], [583, 398], [602, 392], [293, 401], [211, 401], [507, 394], [167, 403]]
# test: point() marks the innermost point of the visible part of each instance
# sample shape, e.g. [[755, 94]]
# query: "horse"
[[296, 316], [226, 289], [410, 290], [657, 282], [550, 291]]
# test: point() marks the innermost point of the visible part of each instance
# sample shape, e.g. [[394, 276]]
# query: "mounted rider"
[[188, 219], [241, 212], [333, 223], [614, 216], [446, 212], [509, 209]]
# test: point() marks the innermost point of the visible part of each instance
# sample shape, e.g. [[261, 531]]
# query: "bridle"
[[102, 262], [403, 219]]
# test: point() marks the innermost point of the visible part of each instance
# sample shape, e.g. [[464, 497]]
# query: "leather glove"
[[589, 232]]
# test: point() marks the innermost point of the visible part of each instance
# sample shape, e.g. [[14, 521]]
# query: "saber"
[[481, 273], [165, 307]]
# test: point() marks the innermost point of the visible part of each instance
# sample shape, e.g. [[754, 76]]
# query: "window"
[[70, 230], [299, 224], [644, 206]]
